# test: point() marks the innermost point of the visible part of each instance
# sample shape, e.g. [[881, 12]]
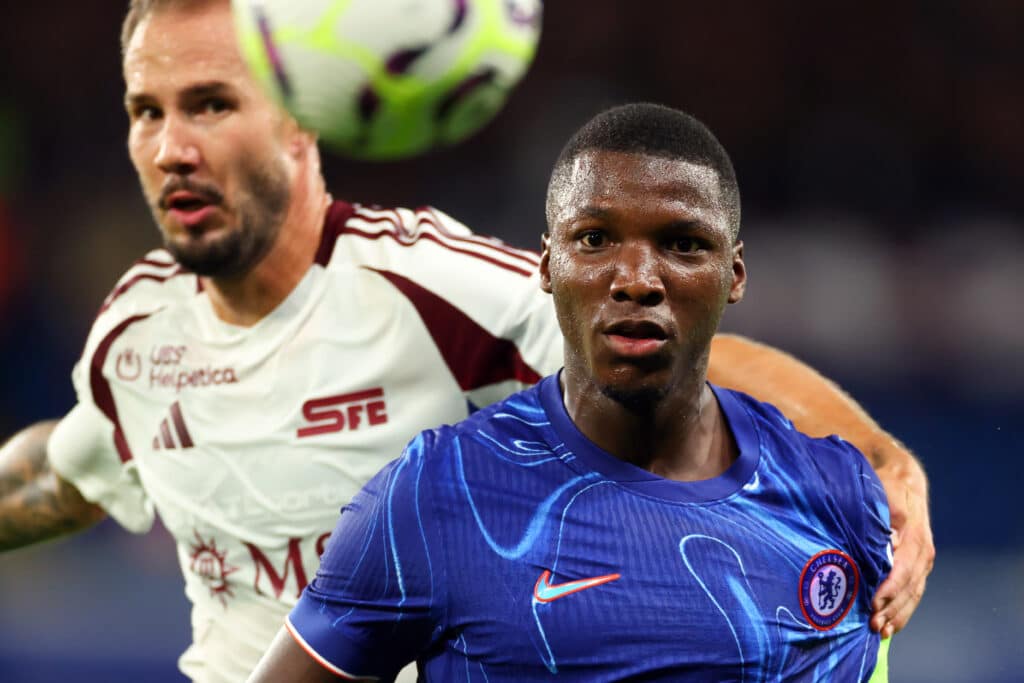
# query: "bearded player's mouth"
[[189, 208]]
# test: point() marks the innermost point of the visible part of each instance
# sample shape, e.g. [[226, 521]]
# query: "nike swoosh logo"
[[544, 591]]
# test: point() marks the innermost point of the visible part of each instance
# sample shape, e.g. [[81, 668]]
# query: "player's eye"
[[593, 238], [685, 245], [215, 105], [146, 112]]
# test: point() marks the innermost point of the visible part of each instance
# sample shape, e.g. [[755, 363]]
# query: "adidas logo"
[[171, 426]]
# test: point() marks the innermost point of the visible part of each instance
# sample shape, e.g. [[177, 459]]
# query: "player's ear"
[[739, 274], [545, 261], [298, 139]]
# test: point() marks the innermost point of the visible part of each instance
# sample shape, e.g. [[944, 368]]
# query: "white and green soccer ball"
[[387, 79]]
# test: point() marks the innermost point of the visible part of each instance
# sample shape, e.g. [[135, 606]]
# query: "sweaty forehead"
[[176, 46], [601, 179]]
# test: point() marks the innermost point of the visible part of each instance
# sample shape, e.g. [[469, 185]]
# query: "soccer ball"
[[387, 79]]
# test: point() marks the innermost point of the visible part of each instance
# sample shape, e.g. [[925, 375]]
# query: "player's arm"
[[36, 504], [285, 660], [58, 477], [818, 407]]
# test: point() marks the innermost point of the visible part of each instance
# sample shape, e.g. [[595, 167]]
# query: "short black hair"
[[655, 130]]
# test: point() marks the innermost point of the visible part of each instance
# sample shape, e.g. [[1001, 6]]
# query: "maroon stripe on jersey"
[[431, 218], [179, 426], [100, 385], [475, 357], [334, 224], [406, 238], [165, 434], [403, 240], [428, 216], [134, 280], [147, 261]]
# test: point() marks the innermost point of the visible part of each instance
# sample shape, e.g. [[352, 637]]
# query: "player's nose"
[[637, 274], [178, 152]]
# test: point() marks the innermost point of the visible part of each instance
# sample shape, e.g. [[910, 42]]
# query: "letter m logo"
[[292, 564]]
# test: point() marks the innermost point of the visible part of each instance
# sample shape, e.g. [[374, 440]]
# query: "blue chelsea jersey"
[[510, 548]]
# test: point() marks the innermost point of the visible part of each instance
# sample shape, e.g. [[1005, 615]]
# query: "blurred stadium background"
[[880, 149]]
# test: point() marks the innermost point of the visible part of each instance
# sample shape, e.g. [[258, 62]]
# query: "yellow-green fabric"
[[881, 673]]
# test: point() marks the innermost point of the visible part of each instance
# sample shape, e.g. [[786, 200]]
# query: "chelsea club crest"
[[828, 586]]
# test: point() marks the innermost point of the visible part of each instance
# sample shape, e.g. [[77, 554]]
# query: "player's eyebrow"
[[693, 225], [603, 214], [196, 91], [204, 89], [595, 212], [133, 100]]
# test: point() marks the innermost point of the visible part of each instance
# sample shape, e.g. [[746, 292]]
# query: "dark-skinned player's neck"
[[682, 435], [246, 299]]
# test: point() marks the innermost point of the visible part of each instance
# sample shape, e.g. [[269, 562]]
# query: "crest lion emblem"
[[828, 586]]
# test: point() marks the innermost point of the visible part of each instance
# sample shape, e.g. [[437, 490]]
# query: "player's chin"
[[636, 388], [188, 246], [214, 253]]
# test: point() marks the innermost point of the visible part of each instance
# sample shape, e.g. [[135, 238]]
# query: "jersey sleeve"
[[86, 449], [849, 487], [82, 452], [864, 504], [479, 298], [377, 601]]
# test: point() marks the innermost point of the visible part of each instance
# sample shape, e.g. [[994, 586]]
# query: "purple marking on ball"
[[524, 12], [460, 16], [276, 63], [369, 103], [462, 90], [400, 62]]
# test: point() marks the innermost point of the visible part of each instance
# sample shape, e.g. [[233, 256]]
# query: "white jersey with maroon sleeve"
[[247, 441]]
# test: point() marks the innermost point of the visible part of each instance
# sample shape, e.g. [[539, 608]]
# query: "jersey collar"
[[592, 457]]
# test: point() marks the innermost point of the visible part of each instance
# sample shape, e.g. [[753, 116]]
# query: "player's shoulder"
[[411, 223], [830, 466], [782, 440], [770, 420], [151, 284], [516, 419], [831, 474], [515, 426], [467, 469], [387, 237]]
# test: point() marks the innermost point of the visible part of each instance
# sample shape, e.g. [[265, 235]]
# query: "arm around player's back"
[[36, 504]]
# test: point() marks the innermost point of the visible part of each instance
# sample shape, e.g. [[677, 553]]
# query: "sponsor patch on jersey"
[[828, 586], [211, 566], [128, 365], [343, 411]]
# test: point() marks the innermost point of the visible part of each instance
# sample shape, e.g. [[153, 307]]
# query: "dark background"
[[880, 151]]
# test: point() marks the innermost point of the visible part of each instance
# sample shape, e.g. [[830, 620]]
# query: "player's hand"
[[913, 550]]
